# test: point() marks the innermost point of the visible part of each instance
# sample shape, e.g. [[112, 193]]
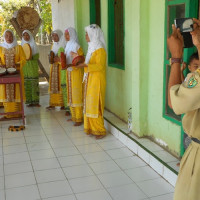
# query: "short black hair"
[[194, 56]]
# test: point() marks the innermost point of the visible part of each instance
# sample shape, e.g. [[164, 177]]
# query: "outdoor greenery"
[[43, 7]]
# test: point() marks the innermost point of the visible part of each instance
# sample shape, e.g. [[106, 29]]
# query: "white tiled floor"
[[53, 160]]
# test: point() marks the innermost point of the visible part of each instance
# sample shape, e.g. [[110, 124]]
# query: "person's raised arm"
[[175, 45], [196, 35]]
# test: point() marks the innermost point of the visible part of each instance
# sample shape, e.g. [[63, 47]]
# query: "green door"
[[176, 9]]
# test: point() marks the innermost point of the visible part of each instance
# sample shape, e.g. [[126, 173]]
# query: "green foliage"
[[8, 7], [46, 15]]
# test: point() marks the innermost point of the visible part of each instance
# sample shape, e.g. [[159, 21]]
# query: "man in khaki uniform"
[[185, 98]]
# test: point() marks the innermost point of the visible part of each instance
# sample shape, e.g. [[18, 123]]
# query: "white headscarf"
[[31, 42], [60, 43], [7, 45], [72, 44], [96, 40]]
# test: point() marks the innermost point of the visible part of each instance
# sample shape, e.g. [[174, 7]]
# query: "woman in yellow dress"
[[74, 77], [11, 56], [94, 82], [56, 98]]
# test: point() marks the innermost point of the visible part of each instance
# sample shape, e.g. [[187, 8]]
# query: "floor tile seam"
[[18, 161], [161, 195], [16, 153], [146, 196], [97, 175], [12, 145], [145, 180], [131, 167], [101, 173], [21, 186], [61, 166], [149, 180], [61, 196], [126, 184], [122, 157], [38, 149], [33, 172], [95, 191], [12, 174], [41, 158]]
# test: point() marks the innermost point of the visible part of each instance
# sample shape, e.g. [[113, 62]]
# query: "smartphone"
[[186, 26]]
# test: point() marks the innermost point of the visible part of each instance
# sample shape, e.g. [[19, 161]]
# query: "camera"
[[186, 26]]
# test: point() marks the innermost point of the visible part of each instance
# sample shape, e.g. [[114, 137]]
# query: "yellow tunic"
[[94, 93], [56, 98], [12, 104], [185, 99], [75, 91]]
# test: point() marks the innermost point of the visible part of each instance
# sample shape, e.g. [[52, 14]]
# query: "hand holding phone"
[[186, 26], [196, 33]]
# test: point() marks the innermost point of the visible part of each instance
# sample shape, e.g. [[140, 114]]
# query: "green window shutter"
[[116, 33]]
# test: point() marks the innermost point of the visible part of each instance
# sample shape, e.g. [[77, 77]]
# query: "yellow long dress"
[[75, 91], [94, 93], [56, 98], [10, 93]]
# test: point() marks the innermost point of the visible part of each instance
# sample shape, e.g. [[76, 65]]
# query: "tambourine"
[[63, 60], [51, 57], [78, 60], [27, 50]]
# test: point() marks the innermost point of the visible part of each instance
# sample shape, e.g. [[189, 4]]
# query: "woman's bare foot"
[[50, 107], [67, 113], [30, 105], [98, 137], [77, 123], [62, 108], [69, 120]]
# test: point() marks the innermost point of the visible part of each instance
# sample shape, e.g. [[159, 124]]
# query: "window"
[[95, 12], [116, 33], [175, 9]]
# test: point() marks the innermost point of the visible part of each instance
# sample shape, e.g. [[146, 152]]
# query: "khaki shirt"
[[185, 98]]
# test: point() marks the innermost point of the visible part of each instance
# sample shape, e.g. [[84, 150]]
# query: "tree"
[[43, 7], [7, 9]]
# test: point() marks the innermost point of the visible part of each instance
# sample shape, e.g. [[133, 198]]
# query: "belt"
[[195, 140]]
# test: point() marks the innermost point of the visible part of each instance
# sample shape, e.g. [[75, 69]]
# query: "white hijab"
[[7, 45], [96, 40], [60, 43], [72, 44], [31, 42]]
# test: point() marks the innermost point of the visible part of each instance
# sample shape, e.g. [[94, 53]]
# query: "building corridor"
[[53, 160]]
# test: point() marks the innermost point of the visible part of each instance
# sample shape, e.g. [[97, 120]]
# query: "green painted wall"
[[140, 85], [82, 18], [158, 127]]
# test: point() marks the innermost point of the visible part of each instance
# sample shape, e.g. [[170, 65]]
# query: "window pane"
[[168, 110], [174, 11]]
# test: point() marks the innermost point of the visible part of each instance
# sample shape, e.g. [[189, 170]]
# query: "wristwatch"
[[175, 60]]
